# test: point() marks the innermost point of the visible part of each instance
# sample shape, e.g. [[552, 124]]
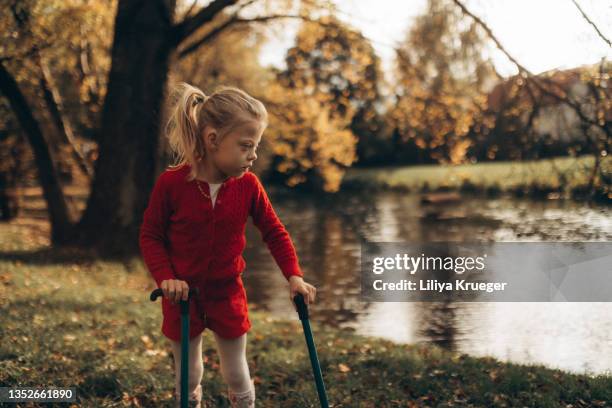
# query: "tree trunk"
[[591, 188], [55, 105], [8, 202], [128, 141], [59, 215]]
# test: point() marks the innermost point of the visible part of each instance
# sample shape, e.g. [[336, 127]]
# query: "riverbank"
[[71, 319], [563, 177]]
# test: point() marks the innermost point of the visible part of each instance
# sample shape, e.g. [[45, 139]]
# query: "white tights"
[[232, 356]]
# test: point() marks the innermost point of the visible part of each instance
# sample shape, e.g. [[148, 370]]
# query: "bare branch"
[[603, 37], [190, 24], [561, 95], [190, 9], [237, 20], [245, 5], [492, 37]]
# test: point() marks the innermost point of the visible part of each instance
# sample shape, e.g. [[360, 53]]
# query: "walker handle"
[[158, 292], [302, 308]]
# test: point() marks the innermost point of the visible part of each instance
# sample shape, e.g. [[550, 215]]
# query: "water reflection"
[[328, 231]]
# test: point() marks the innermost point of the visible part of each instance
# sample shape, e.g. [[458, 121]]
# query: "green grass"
[[70, 319], [565, 174]]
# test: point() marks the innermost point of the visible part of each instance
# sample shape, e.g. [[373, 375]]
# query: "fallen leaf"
[[147, 341]]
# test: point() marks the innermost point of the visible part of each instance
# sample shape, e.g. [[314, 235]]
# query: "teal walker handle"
[[302, 309], [184, 341]]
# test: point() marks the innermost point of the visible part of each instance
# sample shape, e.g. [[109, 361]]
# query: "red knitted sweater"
[[183, 237]]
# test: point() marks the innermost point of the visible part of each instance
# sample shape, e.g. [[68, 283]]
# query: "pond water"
[[328, 231]]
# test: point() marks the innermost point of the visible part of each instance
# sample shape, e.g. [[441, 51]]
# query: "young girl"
[[192, 234]]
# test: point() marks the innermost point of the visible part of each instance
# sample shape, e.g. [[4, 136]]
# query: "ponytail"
[[184, 126]]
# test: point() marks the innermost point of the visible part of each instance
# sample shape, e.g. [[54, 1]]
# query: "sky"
[[540, 34]]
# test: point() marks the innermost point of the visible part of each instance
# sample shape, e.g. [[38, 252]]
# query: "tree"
[[147, 38], [35, 48], [442, 80], [310, 146], [334, 64], [332, 81]]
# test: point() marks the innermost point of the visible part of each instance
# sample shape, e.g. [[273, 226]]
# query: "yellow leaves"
[[442, 82], [305, 163], [296, 179], [330, 71], [38, 320], [73, 41], [156, 352], [327, 51], [282, 149], [365, 348], [147, 341], [420, 142], [60, 357], [306, 39], [441, 123], [150, 347], [459, 150], [130, 400], [343, 368], [312, 140], [285, 167], [492, 151]]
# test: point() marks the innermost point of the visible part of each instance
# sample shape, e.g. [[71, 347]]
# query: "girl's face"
[[236, 153]]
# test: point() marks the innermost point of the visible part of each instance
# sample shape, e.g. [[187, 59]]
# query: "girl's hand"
[[175, 290], [297, 285]]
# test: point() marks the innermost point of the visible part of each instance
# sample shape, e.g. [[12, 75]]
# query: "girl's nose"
[[253, 156]]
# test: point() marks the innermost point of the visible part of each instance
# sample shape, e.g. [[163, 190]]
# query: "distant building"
[[556, 125], [555, 119]]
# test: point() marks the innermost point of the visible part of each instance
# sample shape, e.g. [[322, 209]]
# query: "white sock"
[[247, 393]]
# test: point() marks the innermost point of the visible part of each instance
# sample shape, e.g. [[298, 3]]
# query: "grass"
[[565, 175], [70, 319]]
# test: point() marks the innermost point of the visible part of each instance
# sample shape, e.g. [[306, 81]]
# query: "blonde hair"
[[225, 109]]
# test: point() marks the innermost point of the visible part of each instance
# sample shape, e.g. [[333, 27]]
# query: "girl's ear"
[[210, 138], [214, 140]]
